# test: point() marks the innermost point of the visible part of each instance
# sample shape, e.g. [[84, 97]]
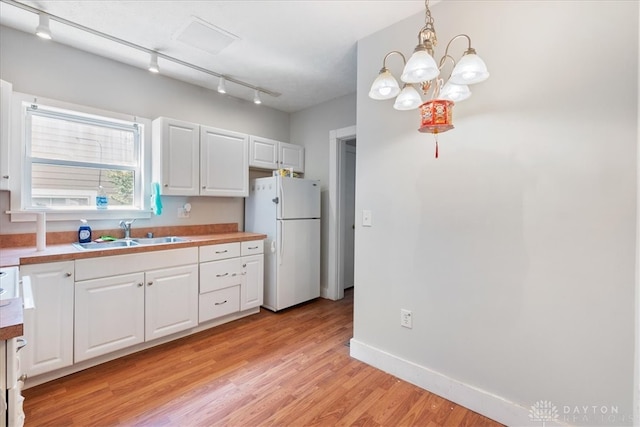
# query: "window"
[[72, 157]]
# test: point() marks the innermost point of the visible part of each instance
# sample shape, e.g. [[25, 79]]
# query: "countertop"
[[11, 323], [67, 252], [11, 313]]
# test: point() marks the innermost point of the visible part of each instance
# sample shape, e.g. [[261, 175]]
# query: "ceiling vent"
[[204, 36]]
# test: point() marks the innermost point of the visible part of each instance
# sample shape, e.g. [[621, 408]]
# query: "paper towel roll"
[[41, 231]]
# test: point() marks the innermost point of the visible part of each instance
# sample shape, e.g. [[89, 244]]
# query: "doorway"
[[338, 140], [348, 211]]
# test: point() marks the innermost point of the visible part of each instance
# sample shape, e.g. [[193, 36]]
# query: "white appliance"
[[11, 376], [287, 210]]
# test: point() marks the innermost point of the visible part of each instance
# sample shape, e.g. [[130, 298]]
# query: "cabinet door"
[[252, 290], [176, 156], [48, 328], [224, 163], [5, 125], [263, 153], [292, 156], [171, 301], [109, 315]]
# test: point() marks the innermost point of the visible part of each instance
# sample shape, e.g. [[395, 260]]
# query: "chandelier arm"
[[384, 61], [446, 51]]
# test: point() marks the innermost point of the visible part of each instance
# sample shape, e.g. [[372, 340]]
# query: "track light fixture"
[[43, 30], [256, 97], [222, 85], [153, 63]]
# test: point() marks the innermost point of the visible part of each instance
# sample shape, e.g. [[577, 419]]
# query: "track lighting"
[[222, 85], [256, 97], [43, 30], [153, 63]]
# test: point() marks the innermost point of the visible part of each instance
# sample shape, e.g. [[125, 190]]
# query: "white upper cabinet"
[[224, 163], [5, 122], [263, 153], [291, 156], [176, 157], [267, 153], [194, 160]]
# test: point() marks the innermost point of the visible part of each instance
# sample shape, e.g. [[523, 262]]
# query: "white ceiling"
[[304, 50]]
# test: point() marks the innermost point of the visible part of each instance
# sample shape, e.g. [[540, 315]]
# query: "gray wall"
[[310, 128], [50, 70], [515, 250]]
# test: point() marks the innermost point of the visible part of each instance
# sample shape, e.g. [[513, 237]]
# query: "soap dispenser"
[[84, 232]]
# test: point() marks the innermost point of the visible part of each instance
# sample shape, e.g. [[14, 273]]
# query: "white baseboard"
[[478, 400]]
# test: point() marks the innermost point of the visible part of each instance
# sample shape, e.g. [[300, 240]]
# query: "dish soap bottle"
[[101, 198], [84, 232]]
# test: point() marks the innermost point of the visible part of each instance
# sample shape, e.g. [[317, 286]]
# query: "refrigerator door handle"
[[280, 244], [273, 246]]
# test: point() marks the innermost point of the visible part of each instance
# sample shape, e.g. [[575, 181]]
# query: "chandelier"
[[423, 71]]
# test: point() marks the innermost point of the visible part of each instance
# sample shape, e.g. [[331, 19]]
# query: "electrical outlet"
[[406, 318], [183, 213]]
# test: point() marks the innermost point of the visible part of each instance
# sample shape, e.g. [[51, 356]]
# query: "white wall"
[[51, 70], [515, 250], [310, 128]]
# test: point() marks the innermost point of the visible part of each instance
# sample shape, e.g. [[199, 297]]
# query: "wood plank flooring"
[[272, 369]]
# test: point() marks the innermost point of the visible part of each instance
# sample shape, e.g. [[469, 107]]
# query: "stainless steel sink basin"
[[158, 240], [106, 245]]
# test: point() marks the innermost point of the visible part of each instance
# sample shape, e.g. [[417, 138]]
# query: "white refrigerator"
[[287, 210]]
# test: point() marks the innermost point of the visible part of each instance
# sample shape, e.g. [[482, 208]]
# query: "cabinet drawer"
[[219, 303], [221, 251], [252, 247], [221, 274]]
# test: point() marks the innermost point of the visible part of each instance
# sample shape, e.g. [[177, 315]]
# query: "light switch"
[[367, 220]]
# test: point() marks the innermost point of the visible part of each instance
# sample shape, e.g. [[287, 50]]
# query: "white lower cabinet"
[[109, 315], [48, 328], [115, 312], [231, 278], [171, 301]]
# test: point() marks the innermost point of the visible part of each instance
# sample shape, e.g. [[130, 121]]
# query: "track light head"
[[153, 63], [222, 86], [256, 97], [43, 30]]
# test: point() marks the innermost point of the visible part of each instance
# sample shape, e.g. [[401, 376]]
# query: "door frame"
[[337, 138]]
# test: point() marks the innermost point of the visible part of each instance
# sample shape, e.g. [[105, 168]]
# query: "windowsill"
[[30, 215]]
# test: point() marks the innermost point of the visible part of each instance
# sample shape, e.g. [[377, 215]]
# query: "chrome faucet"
[[126, 226]]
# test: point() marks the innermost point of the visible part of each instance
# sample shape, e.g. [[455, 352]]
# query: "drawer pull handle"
[[253, 247], [21, 343], [220, 303], [67, 274], [23, 378], [222, 275], [149, 283], [140, 284], [222, 252]]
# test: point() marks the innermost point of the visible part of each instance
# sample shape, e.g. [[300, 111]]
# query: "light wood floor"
[[288, 369]]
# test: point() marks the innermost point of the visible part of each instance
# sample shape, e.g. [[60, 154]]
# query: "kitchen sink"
[[159, 240], [106, 245]]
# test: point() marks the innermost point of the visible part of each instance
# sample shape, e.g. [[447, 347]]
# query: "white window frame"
[[21, 187]]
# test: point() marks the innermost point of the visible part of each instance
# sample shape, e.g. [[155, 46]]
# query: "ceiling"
[[303, 50]]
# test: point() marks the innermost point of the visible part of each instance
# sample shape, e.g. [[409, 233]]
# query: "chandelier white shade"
[[409, 99], [421, 67], [470, 69], [454, 92], [385, 86], [43, 30]]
